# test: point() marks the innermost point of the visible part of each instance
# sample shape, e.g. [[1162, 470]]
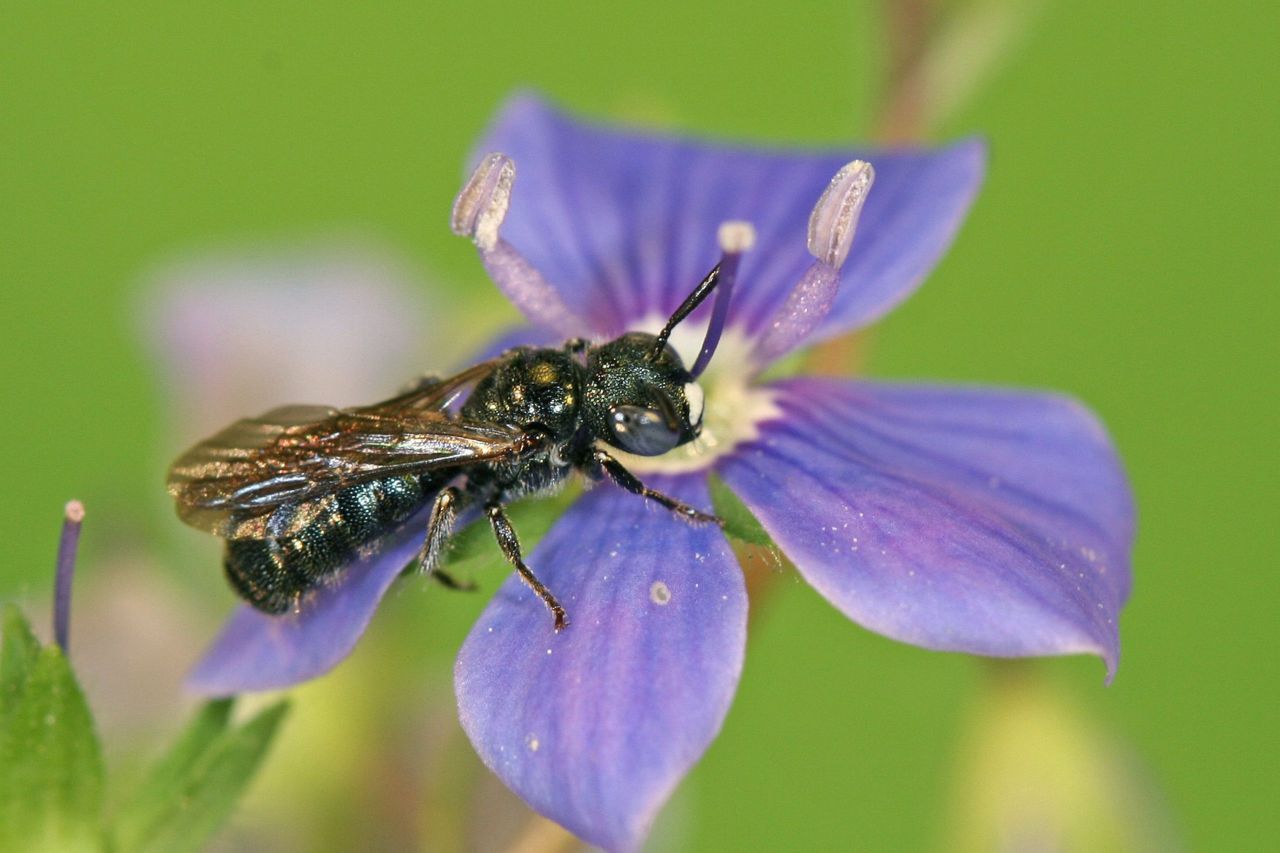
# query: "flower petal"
[[992, 522], [256, 651], [595, 726], [624, 223]]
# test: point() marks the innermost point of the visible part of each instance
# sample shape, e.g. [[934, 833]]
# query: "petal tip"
[[1110, 655]]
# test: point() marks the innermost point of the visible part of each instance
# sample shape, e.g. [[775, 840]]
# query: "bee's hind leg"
[[510, 545], [444, 512]]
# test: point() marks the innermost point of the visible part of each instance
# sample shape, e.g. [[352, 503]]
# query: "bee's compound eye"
[[697, 400], [642, 431]]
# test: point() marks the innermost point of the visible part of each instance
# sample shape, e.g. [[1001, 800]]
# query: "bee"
[[302, 491]]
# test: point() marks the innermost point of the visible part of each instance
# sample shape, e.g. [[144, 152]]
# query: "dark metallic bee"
[[303, 490]]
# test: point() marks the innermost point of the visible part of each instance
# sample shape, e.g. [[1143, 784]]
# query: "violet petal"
[[515, 336], [594, 726], [256, 651], [624, 223], [963, 519]]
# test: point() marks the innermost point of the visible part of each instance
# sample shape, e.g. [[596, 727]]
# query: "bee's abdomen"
[[271, 574]]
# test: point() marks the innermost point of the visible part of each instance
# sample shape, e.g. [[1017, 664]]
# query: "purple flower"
[[961, 519]]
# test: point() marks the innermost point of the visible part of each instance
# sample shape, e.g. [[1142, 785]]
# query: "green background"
[[1123, 250]]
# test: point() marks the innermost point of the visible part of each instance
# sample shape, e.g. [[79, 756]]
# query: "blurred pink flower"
[[243, 331]]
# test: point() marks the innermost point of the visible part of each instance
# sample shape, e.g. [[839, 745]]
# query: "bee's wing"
[[434, 394], [264, 477]]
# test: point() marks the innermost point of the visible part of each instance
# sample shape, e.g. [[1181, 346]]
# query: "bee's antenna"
[[735, 238], [692, 301]]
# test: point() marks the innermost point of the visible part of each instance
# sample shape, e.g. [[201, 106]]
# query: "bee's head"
[[639, 396]]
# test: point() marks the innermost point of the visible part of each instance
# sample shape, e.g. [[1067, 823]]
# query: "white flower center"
[[732, 409]]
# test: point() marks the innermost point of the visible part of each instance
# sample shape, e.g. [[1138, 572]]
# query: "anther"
[[831, 228], [478, 214], [835, 217], [482, 202]]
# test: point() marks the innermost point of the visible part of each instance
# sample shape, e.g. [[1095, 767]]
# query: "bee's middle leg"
[[444, 512]]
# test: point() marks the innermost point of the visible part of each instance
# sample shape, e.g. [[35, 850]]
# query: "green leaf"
[[205, 774], [17, 657], [739, 522], [51, 774], [143, 814]]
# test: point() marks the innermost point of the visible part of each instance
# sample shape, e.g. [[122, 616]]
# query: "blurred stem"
[[541, 835], [902, 103]]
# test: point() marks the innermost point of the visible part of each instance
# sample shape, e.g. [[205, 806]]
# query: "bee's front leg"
[[631, 483]]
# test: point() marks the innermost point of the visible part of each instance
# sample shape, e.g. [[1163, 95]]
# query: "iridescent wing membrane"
[[265, 477]]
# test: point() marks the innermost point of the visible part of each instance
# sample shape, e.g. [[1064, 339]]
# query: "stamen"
[[735, 238], [478, 213], [68, 544], [831, 228]]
